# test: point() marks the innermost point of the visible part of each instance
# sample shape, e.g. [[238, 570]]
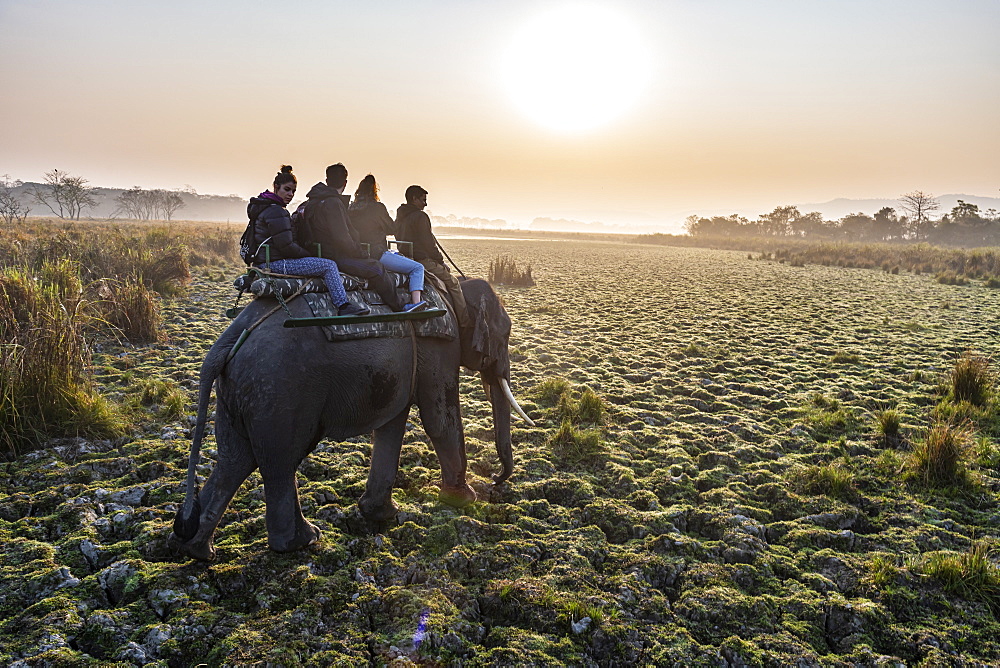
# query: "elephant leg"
[[279, 450], [376, 503], [442, 420], [235, 462]]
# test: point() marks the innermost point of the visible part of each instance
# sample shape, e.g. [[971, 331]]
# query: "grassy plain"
[[726, 470]]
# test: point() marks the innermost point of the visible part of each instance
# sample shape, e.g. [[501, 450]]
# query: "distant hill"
[[196, 207], [840, 207]]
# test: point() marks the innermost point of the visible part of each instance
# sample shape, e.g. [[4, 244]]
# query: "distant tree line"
[[68, 196], [139, 204], [965, 224], [451, 220]]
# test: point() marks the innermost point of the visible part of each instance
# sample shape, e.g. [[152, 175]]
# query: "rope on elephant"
[[282, 304], [264, 273], [268, 277]]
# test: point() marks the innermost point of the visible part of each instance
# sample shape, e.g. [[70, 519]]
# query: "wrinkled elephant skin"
[[286, 389]]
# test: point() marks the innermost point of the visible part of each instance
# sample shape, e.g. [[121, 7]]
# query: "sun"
[[575, 68]]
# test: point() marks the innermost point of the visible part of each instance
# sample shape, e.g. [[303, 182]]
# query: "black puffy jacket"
[[273, 226]]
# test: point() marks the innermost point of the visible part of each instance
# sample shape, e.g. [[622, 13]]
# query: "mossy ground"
[[706, 485]]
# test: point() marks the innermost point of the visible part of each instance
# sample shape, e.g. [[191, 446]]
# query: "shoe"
[[350, 308], [419, 306]]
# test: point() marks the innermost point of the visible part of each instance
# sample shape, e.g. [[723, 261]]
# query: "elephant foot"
[[458, 496], [378, 512], [308, 535], [200, 550]]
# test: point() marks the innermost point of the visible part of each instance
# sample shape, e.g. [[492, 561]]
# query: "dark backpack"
[[245, 241], [249, 250]]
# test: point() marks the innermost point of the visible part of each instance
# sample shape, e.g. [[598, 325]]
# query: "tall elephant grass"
[[62, 283], [46, 389], [161, 256]]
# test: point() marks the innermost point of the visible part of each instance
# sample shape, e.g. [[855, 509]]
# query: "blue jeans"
[[315, 266], [401, 264]]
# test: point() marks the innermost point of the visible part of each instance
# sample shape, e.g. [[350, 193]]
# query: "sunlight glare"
[[574, 68]]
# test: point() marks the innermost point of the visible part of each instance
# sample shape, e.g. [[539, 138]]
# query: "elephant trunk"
[[501, 425]]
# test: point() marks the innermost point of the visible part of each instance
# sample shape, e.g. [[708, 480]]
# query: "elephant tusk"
[[513, 402], [486, 389]]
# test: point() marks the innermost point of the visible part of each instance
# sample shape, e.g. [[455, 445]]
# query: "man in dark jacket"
[[414, 225], [328, 224]]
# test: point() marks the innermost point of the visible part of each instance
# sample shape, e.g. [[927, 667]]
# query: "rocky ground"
[[720, 497]]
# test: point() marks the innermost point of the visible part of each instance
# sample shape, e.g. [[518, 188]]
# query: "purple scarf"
[[267, 194]]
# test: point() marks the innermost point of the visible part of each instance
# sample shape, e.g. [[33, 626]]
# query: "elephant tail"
[[187, 519]]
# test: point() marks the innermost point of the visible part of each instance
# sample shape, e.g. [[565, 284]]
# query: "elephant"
[[286, 389]]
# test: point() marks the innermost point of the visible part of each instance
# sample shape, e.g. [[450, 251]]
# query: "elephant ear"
[[490, 330]]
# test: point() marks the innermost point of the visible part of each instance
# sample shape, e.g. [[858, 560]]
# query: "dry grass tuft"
[[971, 574], [550, 390], [590, 407], [131, 308], [888, 424], [831, 480], [971, 380], [576, 446], [504, 271], [939, 460]]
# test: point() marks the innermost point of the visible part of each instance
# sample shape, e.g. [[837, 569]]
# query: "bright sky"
[[516, 109]]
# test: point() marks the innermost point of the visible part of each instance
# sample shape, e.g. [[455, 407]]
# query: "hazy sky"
[[666, 107]]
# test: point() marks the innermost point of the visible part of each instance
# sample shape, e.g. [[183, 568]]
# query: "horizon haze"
[[517, 111]]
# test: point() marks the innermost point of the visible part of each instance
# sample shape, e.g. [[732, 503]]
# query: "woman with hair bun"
[[273, 226]]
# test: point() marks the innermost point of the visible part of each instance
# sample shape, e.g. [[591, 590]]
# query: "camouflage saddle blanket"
[[316, 295]]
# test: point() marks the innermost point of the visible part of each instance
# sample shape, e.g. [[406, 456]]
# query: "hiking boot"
[[350, 308], [419, 306]]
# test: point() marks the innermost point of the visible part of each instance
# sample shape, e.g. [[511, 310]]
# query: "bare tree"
[[140, 204], [130, 203], [12, 210], [169, 203], [919, 205], [64, 195]]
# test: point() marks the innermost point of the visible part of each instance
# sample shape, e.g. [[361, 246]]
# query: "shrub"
[[939, 459], [504, 271], [971, 380]]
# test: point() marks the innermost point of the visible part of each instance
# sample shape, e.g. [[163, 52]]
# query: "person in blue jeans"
[[273, 226], [372, 222]]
